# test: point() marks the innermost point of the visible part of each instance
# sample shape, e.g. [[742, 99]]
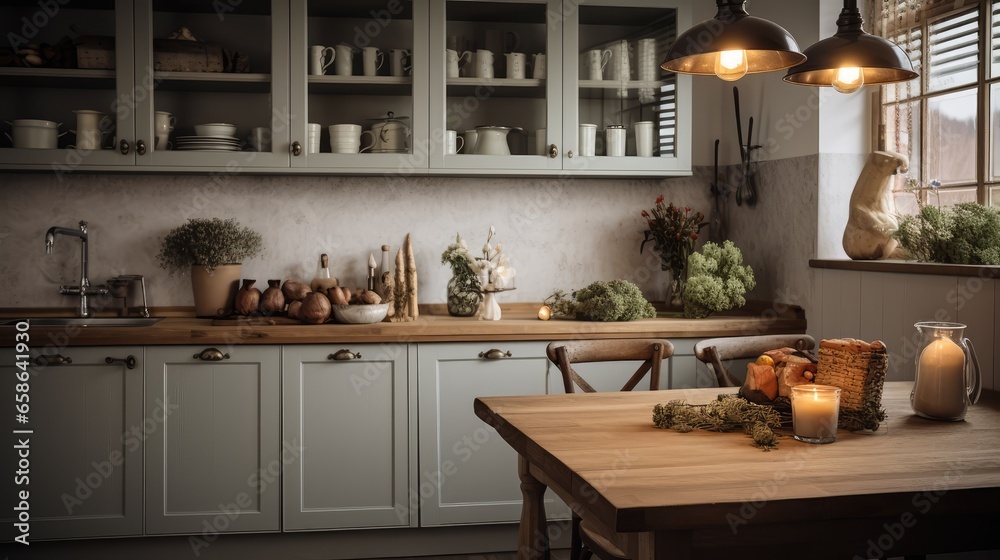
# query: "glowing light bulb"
[[848, 79], [731, 65]]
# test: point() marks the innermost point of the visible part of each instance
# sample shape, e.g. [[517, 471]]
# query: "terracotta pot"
[[214, 293]]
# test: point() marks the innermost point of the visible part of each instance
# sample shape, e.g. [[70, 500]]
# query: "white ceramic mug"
[[344, 65], [345, 138], [538, 66], [317, 59], [401, 60], [471, 139], [163, 125], [541, 142], [644, 138], [451, 63], [313, 131], [452, 142], [515, 65], [484, 64], [588, 139], [372, 59], [260, 139], [614, 140], [596, 60]]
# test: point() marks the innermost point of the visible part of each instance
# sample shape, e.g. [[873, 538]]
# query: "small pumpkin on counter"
[[294, 290], [247, 298], [273, 300], [315, 309]]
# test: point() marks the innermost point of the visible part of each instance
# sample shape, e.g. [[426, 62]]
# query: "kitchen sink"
[[86, 321]]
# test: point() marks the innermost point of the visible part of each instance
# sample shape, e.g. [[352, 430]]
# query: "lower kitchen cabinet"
[[82, 463], [468, 473], [349, 428], [214, 462]]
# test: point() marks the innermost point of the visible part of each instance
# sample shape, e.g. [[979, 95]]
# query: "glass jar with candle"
[[947, 377], [815, 411]]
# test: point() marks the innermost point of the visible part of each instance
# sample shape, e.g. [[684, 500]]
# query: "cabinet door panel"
[[218, 449], [348, 424], [85, 452], [469, 471]]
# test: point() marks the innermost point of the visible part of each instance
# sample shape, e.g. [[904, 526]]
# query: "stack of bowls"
[[345, 138]]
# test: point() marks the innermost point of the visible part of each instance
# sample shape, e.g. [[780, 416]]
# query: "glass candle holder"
[[815, 409]]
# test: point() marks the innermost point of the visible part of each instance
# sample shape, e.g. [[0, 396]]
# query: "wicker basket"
[[859, 369]]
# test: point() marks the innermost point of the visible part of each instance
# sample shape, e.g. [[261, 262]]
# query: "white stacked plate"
[[208, 143]]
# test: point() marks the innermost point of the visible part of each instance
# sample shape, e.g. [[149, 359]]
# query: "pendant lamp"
[[733, 44], [852, 58]]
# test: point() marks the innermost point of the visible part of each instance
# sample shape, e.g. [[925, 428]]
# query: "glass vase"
[[463, 295]]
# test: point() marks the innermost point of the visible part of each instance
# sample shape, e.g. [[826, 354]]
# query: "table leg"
[[533, 535]]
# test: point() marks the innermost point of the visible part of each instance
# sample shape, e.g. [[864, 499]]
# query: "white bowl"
[[360, 313], [215, 129]]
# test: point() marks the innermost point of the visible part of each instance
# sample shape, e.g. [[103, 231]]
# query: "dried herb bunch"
[[728, 413], [208, 242], [617, 300]]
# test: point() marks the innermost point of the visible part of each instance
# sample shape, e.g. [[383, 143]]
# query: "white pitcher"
[[344, 65]]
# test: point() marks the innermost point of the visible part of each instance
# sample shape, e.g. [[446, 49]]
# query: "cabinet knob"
[[569, 154], [344, 354], [211, 355], [123, 147], [129, 361], [296, 148], [553, 151], [53, 360], [140, 147], [495, 354]]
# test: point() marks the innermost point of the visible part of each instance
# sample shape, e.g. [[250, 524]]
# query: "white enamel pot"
[[34, 133]]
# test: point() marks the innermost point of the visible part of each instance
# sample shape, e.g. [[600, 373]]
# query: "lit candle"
[[815, 409], [940, 389]]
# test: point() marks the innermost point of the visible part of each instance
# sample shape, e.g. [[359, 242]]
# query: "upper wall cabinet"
[[396, 87], [44, 93]]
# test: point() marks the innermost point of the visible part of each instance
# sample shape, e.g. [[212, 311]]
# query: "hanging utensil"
[[718, 229], [751, 169], [739, 142]]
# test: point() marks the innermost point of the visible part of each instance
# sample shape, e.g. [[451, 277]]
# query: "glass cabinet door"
[[221, 64], [65, 85], [357, 69], [496, 85], [622, 113]]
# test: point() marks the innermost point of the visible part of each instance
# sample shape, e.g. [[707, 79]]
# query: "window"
[[948, 119]]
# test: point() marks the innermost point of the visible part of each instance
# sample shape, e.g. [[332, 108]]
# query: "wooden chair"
[[715, 351], [585, 540]]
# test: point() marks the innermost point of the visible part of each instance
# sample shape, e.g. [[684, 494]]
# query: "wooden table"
[[915, 486]]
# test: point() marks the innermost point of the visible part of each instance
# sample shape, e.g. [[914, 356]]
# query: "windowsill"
[[909, 267]]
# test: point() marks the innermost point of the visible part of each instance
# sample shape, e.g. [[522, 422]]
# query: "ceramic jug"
[[492, 140], [947, 379]]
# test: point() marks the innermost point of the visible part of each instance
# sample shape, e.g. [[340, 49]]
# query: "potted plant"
[[214, 250]]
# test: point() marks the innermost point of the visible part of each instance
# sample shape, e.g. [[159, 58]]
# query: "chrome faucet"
[[84, 289]]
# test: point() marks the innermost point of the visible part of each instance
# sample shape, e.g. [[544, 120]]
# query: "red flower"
[[644, 214], [694, 235], [659, 199], [687, 208]]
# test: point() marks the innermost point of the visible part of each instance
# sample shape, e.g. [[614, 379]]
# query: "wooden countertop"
[[434, 325]]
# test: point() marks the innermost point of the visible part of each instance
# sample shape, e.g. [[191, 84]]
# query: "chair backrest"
[[651, 351], [714, 351]]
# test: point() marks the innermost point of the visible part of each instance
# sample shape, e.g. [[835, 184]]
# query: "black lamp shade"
[[768, 46], [881, 61]]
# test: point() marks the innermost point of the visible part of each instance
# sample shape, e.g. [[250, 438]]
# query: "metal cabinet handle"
[[344, 354], [296, 148], [211, 355], [53, 360], [123, 147], [553, 151], [495, 354], [569, 154], [129, 361], [140, 147]]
